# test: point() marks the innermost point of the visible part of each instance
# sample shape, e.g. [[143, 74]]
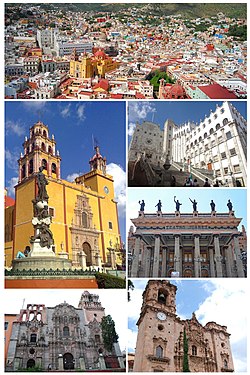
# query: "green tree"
[[108, 332], [185, 357]]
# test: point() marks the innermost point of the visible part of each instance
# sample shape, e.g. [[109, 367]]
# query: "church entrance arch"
[[87, 249], [188, 273], [31, 363], [68, 361]]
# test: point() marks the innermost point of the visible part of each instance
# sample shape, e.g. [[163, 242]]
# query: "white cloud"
[[139, 110], [10, 187], [35, 105], [132, 335], [14, 127], [119, 175], [131, 129], [65, 112], [81, 112], [226, 306], [72, 177], [11, 158]]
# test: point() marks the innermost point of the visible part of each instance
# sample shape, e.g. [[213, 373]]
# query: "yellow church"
[[84, 213], [88, 66]]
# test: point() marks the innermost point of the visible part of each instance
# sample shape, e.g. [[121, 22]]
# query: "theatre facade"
[[186, 245]]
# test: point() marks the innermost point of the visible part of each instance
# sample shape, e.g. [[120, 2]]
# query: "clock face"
[[106, 189], [161, 315]]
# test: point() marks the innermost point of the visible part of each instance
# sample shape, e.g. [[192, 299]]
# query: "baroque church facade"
[[61, 338], [84, 212], [163, 339], [215, 148]]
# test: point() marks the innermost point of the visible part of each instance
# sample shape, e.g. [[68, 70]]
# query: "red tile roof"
[[216, 91], [8, 201]]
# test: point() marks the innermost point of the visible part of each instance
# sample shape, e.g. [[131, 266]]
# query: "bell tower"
[[39, 150], [156, 328]]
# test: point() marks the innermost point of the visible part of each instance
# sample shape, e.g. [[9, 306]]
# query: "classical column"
[[146, 261], [239, 264], [197, 255], [211, 262], [229, 261], [156, 256], [135, 261], [217, 257], [164, 263], [177, 255]]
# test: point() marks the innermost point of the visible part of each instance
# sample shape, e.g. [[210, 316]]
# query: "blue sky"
[[178, 111], [204, 298], [203, 196], [74, 124]]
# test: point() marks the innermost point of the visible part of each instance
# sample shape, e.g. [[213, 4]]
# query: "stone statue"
[[177, 204], [229, 205], [194, 204], [159, 206], [142, 205], [212, 205], [46, 236], [42, 182]]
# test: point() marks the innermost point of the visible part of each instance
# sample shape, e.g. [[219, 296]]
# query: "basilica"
[[83, 213]]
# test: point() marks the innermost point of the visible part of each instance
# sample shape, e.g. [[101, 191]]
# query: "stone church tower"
[[160, 340]]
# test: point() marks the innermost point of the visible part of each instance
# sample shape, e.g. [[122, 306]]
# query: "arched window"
[[205, 135], [194, 350], [44, 133], [211, 131], [225, 121], [31, 363], [217, 127], [162, 297], [225, 363], [23, 170], [50, 151], [65, 331], [84, 220], [159, 352], [44, 164], [43, 147], [33, 337], [31, 166], [53, 168]]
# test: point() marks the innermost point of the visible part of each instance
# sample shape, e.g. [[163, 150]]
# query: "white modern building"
[[218, 143]]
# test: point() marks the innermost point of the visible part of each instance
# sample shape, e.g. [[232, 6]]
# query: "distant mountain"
[[186, 10]]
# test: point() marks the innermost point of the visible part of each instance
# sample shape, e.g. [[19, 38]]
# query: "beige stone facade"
[[186, 245], [160, 340]]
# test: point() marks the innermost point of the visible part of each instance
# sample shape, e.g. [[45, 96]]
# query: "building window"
[[6, 325], [236, 168], [51, 212], [33, 337], [217, 127], [225, 121], [31, 166], [65, 331], [229, 135], [223, 155], [232, 151], [50, 151], [84, 220], [44, 164], [23, 171], [159, 352], [43, 146], [226, 170], [53, 168], [110, 225], [194, 350], [225, 363]]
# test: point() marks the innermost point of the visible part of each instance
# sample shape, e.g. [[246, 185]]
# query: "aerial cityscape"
[[125, 51], [125, 198]]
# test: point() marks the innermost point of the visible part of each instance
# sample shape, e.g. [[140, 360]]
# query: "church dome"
[[177, 90]]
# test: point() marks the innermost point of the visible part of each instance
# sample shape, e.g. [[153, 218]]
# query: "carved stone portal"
[[85, 249]]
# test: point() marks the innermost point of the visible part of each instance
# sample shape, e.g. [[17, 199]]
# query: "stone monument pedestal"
[[40, 263], [38, 251]]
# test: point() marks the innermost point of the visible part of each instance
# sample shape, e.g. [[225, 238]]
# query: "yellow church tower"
[[84, 213]]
